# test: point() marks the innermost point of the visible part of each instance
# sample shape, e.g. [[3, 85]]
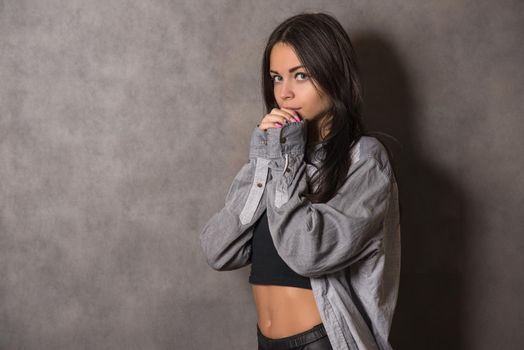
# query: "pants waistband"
[[293, 341]]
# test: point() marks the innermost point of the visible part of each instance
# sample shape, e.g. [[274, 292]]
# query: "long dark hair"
[[324, 48]]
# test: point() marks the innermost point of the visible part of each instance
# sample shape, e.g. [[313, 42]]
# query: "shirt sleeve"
[[321, 238], [227, 236]]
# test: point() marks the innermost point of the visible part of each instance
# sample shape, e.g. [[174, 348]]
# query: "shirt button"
[[259, 184], [288, 170], [283, 140]]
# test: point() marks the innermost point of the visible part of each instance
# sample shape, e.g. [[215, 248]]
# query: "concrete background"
[[122, 124]]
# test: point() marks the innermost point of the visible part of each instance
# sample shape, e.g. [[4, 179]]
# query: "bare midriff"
[[285, 311]]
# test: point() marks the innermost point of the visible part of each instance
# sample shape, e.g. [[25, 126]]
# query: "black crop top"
[[267, 267]]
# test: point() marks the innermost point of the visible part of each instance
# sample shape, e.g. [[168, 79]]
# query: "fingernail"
[[278, 124], [296, 118]]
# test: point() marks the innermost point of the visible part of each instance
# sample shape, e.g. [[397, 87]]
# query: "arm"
[[226, 238], [322, 238]]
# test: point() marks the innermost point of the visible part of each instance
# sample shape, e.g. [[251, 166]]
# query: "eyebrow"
[[290, 71]]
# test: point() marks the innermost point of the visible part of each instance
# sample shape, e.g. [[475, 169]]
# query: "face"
[[292, 86]]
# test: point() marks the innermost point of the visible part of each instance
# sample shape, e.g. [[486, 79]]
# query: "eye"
[[304, 74]]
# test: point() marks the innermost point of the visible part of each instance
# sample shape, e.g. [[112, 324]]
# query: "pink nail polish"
[[296, 118], [278, 124]]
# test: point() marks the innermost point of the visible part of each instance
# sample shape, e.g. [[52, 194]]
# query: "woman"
[[315, 209]]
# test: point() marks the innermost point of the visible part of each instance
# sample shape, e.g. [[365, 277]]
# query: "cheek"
[[276, 93], [313, 99]]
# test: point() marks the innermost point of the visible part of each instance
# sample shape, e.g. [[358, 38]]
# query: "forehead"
[[283, 56]]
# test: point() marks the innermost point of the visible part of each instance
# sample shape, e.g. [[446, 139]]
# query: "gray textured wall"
[[122, 124]]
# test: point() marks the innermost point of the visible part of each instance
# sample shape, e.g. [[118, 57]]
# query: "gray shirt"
[[349, 246]]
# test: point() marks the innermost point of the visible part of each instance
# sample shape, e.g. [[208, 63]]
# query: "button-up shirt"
[[349, 246]]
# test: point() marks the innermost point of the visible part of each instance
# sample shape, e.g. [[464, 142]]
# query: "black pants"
[[314, 339]]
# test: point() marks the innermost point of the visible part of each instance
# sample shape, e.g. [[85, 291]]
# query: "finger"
[[292, 113], [268, 125], [285, 113], [277, 118]]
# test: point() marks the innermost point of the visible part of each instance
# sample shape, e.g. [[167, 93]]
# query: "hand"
[[278, 117]]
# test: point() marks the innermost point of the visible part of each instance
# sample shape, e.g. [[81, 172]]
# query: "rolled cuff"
[[273, 143]]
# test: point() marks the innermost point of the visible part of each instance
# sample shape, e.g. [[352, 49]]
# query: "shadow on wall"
[[433, 209]]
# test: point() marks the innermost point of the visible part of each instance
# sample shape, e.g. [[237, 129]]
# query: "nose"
[[286, 90]]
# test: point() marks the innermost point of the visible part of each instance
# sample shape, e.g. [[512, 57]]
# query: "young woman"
[[315, 209]]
